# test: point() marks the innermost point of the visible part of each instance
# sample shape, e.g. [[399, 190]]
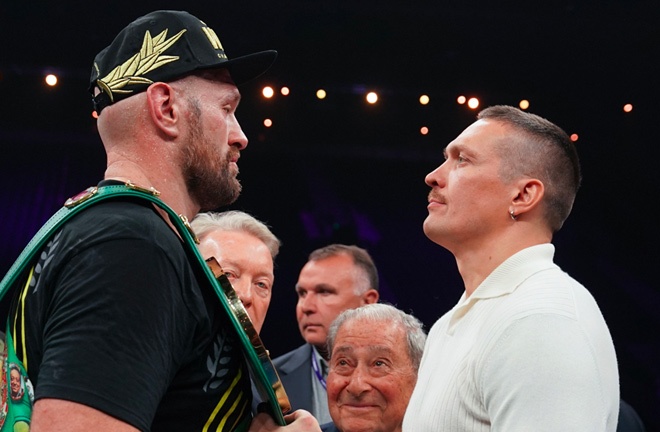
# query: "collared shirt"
[[320, 395]]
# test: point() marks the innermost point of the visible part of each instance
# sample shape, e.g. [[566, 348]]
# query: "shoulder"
[[549, 291], [552, 348], [120, 214], [125, 219], [294, 358], [121, 245]]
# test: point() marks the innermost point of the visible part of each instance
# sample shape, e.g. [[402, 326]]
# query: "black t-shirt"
[[116, 319]]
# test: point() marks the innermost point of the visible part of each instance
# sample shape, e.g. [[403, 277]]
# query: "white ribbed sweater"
[[529, 350]]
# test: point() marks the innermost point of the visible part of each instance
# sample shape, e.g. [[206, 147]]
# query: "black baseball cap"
[[162, 46]]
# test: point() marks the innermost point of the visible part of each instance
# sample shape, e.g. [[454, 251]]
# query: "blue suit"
[[295, 371]]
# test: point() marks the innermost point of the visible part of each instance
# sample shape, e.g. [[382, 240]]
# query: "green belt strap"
[[94, 195]]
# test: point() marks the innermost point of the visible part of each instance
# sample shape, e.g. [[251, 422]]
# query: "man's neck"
[[475, 264], [174, 193], [323, 351]]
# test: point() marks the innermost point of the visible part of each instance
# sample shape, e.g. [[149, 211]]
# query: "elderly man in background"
[[375, 353], [246, 249], [335, 278]]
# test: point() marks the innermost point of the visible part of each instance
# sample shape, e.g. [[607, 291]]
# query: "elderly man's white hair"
[[382, 312], [237, 221]]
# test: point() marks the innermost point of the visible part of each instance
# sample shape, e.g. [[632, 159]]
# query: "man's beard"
[[207, 174]]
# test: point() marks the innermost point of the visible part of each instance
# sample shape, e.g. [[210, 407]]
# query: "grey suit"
[[295, 371]]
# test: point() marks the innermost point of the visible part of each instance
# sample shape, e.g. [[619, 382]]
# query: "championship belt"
[[260, 364]]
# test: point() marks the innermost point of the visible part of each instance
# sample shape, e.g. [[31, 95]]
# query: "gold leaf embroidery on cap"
[[147, 59]]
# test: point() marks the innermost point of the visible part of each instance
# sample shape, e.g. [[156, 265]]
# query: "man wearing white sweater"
[[526, 348]]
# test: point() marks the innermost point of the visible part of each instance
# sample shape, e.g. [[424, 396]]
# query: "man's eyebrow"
[[380, 349], [343, 349], [449, 148], [233, 96], [320, 286], [452, 147], [377, 349]]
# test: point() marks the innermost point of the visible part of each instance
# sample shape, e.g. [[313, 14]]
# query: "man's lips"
[[311, 325], [358, 406], [233, 157], [433, 204]]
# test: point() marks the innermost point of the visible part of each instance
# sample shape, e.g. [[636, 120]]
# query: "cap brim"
[[248, 67]]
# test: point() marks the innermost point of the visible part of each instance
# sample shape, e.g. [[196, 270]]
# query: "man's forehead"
[[333, 269], [223, 76], [479, 136], [381, 335]]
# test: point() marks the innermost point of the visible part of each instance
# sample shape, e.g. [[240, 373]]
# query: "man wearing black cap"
[[117, 330]]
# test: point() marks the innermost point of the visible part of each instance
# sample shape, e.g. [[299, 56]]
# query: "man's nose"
[[436, 177], [237, 137], [308, 303], [244, 291], [359, 382]]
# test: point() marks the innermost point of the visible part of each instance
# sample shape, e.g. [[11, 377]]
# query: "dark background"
[[339, 170]]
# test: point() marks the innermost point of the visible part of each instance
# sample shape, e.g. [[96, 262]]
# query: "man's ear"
[[371, 296], [530, 192], [164, 113]]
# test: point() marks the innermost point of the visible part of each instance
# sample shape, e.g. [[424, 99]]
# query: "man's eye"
[[263, 287]]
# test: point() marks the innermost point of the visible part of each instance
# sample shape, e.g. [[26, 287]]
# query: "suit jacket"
[[629, 420], [295, 371], [329, 427]]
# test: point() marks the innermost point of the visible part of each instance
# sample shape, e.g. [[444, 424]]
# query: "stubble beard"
[[207, 174]]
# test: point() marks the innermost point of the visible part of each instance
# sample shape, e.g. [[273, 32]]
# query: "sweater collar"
[[507, 277]]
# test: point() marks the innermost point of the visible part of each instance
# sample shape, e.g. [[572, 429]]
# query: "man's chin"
[[216, 201], [314, 337], [359, 423]]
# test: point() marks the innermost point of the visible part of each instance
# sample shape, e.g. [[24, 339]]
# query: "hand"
[[299, 420]]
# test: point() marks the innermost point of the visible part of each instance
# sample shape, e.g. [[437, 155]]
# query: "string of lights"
[[53, 80]]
